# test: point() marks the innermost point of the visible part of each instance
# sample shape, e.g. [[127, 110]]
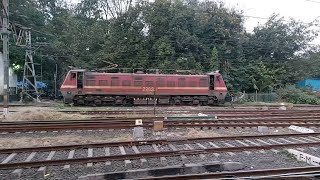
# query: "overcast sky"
[[304, 10]]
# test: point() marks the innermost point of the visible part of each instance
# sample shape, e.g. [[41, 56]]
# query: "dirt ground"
[[23, 142], [29, 113]]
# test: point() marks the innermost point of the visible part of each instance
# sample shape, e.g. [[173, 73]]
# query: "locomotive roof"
[[141, 74], [137, 74]]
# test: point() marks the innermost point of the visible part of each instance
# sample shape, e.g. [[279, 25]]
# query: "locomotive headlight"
[[68, 92]]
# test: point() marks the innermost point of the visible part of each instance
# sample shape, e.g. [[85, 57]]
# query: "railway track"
[[169, 122], [204, 111], [163, 149], [301, 173]]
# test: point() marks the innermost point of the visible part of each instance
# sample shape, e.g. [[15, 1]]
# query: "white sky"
[[304, 10]]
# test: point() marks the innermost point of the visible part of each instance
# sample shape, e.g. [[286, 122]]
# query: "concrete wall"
[[1, 74], [12, 77]]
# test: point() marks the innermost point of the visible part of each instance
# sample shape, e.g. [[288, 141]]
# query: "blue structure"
[[313, 84], [40, 85]]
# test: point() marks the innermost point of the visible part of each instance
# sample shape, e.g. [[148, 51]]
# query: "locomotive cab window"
[[73, 75], [211, 82]]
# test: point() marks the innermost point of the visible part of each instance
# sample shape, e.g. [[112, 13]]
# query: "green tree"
[[214, 63]]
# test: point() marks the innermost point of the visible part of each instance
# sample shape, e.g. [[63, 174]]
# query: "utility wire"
[[313, 1]]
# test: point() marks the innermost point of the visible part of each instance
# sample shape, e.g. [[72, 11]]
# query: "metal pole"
[[5, 40], [55, 82], [154, 103], [41, 67]]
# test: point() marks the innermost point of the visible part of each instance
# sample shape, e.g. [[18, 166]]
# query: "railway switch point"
[[263, 129]]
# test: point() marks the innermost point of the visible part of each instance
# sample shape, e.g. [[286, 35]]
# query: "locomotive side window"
[[91, 82], [170, 84], [103, 83], [137, 83], [181, 82], [192, 84], [160, 84], [114, 81], [126, 83], [149, 83], [203, 83]]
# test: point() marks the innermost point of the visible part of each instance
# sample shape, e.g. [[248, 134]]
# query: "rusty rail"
[[280, 173], [150, 141], [149, 124], [150, 155]]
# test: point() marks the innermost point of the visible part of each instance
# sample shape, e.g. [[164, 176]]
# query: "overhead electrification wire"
[[313, 1]]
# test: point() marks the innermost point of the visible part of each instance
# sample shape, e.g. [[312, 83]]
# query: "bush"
[[298, 96]]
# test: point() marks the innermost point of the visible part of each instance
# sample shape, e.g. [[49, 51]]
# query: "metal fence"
[[260, 97]]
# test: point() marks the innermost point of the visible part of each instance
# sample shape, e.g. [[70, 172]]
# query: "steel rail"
[[169, 119], [280, 173], [149, 142], [130, 125], [221, 111], [149, 155]]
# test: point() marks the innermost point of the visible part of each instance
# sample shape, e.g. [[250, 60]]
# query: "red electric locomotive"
[[83, 87]]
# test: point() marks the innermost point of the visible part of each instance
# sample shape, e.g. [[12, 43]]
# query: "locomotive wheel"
[[125, 102], [204, 103]]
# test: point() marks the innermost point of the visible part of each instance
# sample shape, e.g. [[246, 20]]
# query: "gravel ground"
[[60, 155], [144, 149], [40, 156], [164, 147], [179, 147], [99, 152], [20, 157], [81, 153], [129, 150], [255, 160], [115, 151], [313, 152], [3, 157]]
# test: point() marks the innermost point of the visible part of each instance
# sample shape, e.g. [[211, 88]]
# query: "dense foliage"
[[298, 96], [167, 34]]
